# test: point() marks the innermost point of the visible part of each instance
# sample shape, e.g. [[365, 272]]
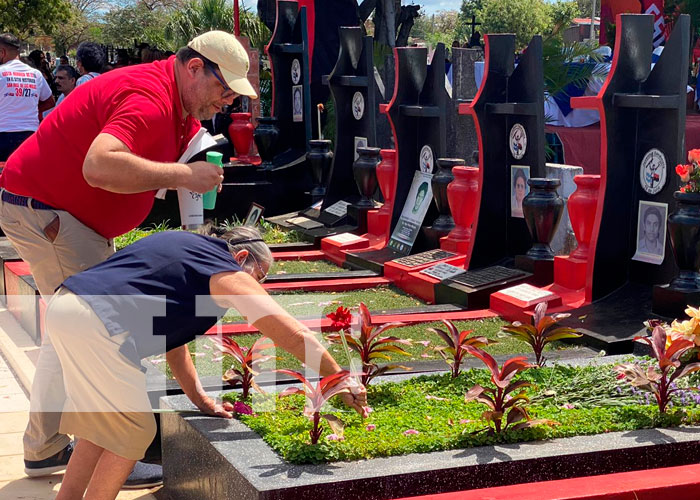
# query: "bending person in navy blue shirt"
[[154, 297]]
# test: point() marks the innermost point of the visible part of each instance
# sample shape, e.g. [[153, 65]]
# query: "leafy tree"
[[30, 17], [585, 7], [199, 16], [77, 28], [562, 13], [673, 8], [122, 26], [525, 18], [442, 26], [468, 9]]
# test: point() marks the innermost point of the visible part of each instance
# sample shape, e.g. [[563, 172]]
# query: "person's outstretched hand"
[[357, 397], [208, 406]]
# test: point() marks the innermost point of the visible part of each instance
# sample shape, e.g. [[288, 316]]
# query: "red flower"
[[340, 319], [694, 155], [684, 172]]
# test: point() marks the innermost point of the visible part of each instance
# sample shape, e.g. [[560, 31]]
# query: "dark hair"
[[185, 54], [423, 188], [651, 210], [91, 56], [9, 40], [519, 172], [70, 70], [35, 56], [64, 57]]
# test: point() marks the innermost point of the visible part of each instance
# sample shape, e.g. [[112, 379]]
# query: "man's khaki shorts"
[[107, 402]]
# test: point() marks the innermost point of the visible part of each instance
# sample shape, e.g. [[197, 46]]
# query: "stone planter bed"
[[212, 458]]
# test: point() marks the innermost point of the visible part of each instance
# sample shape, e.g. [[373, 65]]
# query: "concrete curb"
[[15, 346]]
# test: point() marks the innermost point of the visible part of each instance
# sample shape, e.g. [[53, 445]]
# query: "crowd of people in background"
[[45, 81]]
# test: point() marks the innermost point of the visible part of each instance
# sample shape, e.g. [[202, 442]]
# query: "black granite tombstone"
[[642, 133], [354, 92], [509, 114], [417, 113], [291, 93], [509, 111]]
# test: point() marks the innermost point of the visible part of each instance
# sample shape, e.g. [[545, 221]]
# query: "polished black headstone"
[[643, 134], [509, 103], [289, 61]]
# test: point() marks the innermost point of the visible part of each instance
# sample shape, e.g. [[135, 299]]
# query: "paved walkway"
[[14, 408]]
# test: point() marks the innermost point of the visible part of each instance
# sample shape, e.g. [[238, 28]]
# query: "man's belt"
[[24, 201]]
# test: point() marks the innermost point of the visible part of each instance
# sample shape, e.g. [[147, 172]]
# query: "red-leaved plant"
[[499, 399], [453, 352], [316, 397], [668, 352], [370, 346], [247, 361], [542, 331]]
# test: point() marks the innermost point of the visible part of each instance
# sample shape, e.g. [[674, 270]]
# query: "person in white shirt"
[[24, 96], [90, 58]]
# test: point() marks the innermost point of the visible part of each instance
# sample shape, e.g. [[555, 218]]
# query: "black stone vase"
[[542, 209], [266, 135], [320, 157], [365, 172], [441, 178], [684, 232]]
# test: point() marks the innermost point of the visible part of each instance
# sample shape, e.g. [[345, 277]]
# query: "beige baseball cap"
[[228, 53]]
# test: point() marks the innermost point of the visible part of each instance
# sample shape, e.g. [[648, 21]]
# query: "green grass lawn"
[[304, 267], [582, 400], [209, 361], [318, 304], [270, 233]]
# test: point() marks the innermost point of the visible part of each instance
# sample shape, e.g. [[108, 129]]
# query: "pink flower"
[[426, 343], [694, 155], [465, 421], [568, 406], [370, 427], [334, 437], [242, 408], [410, 432]]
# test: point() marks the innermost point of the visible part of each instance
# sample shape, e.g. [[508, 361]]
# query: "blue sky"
[[429, 6]]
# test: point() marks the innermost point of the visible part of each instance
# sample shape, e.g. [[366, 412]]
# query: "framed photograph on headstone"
[[651, 232], [254, 214], [519, 175], [360, 142], [297, 103], [417, 203]]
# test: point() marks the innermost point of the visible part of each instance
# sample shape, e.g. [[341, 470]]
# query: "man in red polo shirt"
[[89, 174]]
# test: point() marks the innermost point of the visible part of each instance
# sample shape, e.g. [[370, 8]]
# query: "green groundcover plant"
[[429, 413]]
